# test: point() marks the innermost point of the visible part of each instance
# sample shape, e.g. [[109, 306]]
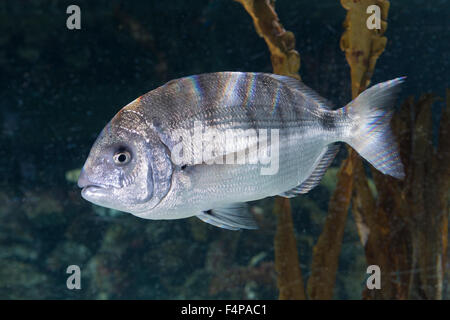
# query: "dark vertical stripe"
[[251, 84]]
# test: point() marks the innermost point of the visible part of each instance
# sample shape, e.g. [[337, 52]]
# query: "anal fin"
[[234, 216], [315, 177]]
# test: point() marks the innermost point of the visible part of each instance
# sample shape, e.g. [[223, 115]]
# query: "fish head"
[[128, 168]]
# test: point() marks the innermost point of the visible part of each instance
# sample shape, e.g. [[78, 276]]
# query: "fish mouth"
[[89, 188], [93, 191]]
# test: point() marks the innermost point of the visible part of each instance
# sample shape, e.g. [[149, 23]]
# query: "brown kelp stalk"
[[289, 277], [362, 48], [285, 61], [404, 228], [410, 238]]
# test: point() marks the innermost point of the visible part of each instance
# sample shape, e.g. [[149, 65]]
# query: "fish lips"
[[100, 195], [91, 191]]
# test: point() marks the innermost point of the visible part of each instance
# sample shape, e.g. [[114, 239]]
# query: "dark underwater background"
[[59, 87]]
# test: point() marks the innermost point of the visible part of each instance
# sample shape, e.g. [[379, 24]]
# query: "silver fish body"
[[298, 127]]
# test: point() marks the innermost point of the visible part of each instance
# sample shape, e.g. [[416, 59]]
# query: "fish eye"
[[122, 157]]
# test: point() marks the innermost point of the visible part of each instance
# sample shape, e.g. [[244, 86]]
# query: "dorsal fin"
[[305, 90], [315, 177], [233, 216]]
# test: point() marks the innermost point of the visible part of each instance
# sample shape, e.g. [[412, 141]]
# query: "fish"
[[265, 135]]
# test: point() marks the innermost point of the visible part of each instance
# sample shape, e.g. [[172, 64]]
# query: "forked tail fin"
[[371, 135]]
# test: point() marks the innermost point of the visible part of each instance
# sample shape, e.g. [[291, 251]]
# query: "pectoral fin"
[[234, 216]]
